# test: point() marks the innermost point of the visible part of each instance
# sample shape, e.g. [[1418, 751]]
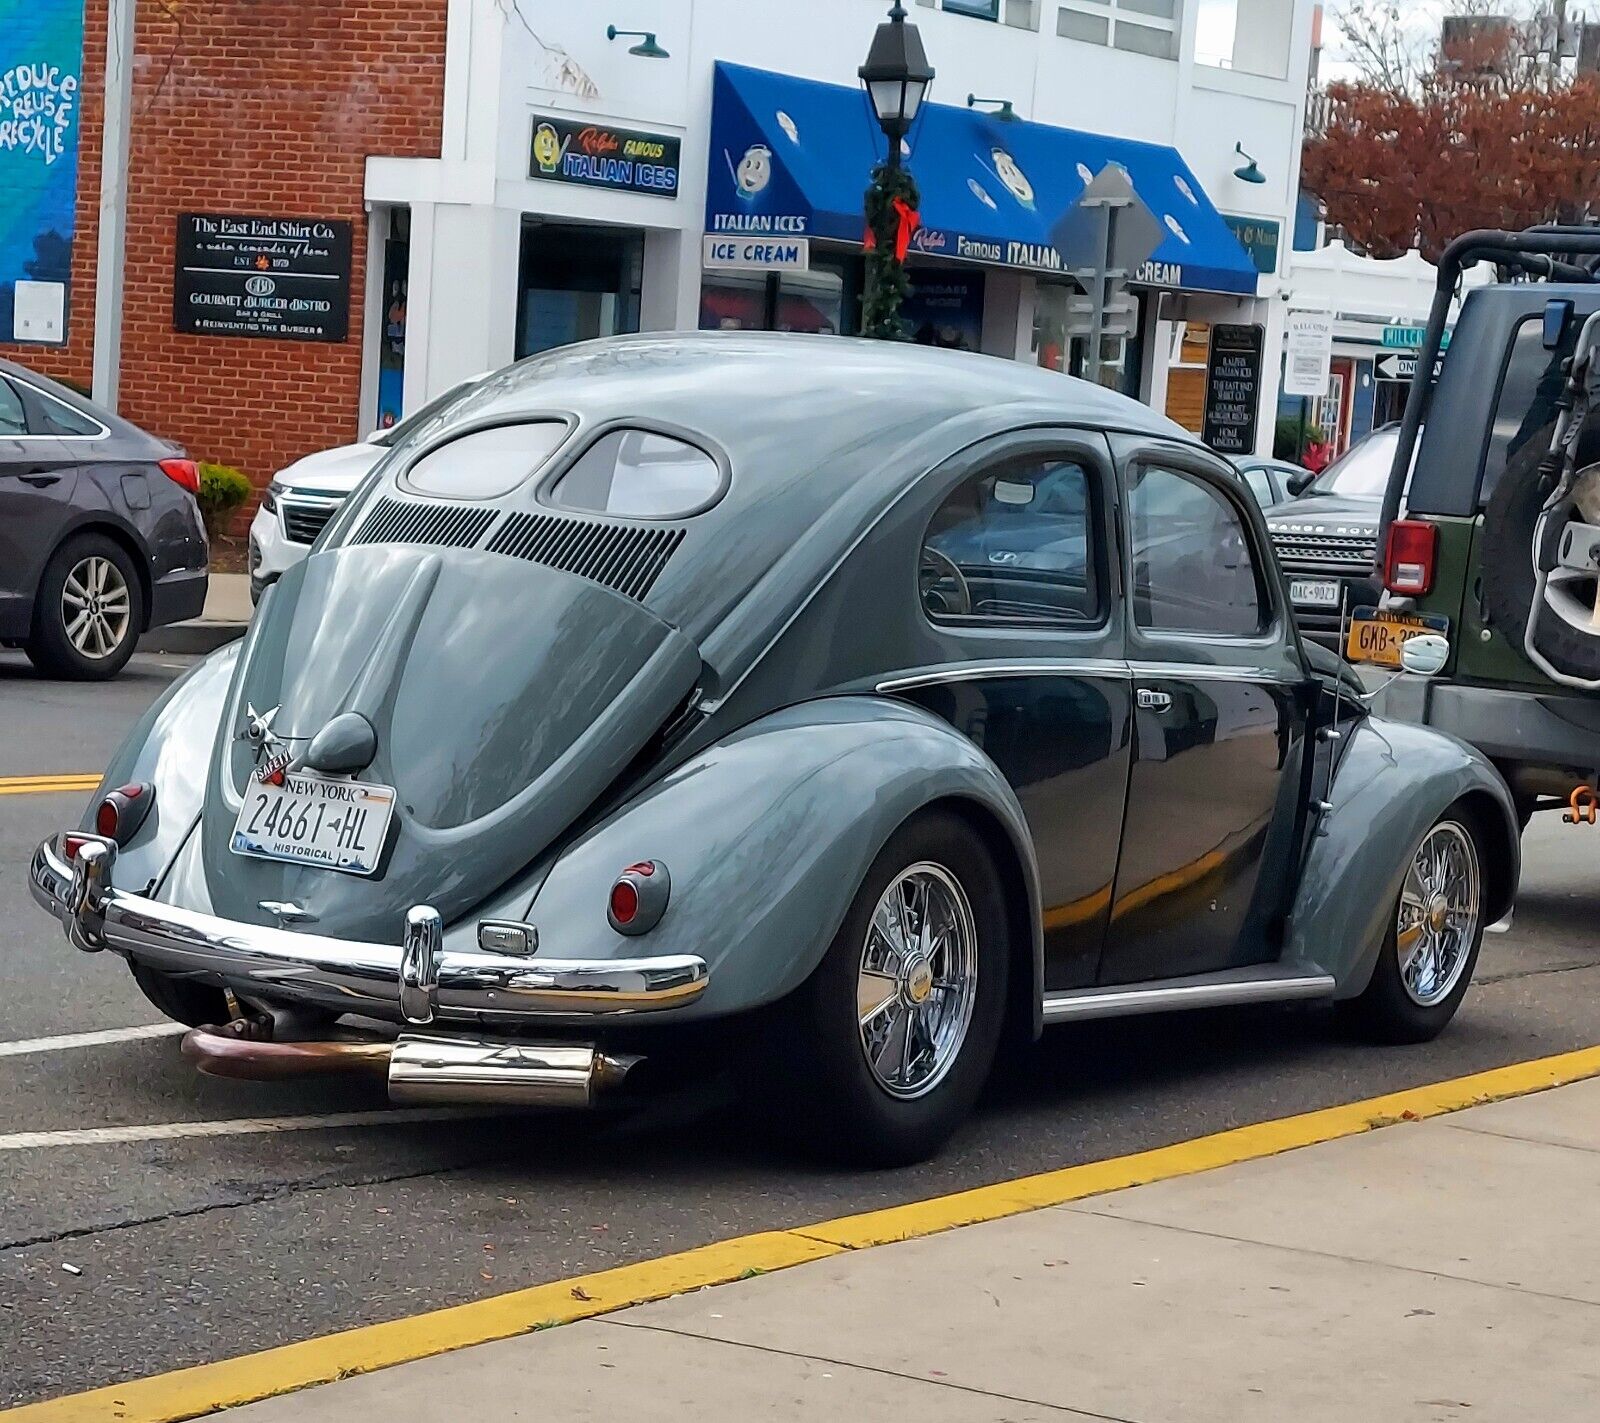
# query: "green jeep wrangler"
[[1494, 539]]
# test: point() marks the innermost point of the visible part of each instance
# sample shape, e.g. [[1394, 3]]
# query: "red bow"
[[909, 221]]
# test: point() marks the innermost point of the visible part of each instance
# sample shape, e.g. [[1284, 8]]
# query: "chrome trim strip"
[[390, 981], [1205, 672], [1216, 990], [983, 671]]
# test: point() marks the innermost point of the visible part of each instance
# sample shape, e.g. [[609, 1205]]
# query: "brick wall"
[[246, 106]]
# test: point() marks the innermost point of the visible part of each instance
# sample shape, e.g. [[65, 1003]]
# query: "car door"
[[36, 486], [1221, 701], [1022, 620]]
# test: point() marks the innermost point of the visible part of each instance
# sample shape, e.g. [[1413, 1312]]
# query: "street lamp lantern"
[[896, 75]]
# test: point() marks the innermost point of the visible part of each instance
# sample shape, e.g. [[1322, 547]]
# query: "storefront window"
[[824, 300], [945, 308], [1059, 346], [576, 283]]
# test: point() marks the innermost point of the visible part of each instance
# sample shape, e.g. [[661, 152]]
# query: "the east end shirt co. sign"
[[599, 156], [283, 277]]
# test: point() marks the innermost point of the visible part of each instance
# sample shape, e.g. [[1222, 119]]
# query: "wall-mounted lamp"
[[1249, 172], [1002, 107], [647, 48]]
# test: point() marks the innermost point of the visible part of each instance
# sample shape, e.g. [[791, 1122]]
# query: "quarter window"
[[59, 418], [1015, 544], [641, 475], [1192, 567], [12, 419]]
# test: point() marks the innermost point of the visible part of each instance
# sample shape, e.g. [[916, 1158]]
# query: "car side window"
[[59, 418], [1192, 566], [1015, 543], [13, 420], [1260, 485]]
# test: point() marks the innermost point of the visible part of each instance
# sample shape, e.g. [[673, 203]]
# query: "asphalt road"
[[190, 1248]]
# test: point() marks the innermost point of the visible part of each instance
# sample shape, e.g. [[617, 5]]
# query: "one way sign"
[[1402, 365]]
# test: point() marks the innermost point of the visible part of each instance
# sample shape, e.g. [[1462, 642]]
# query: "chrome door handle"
[[1153, 701]]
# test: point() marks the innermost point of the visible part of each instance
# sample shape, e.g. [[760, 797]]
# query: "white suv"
[[306, 494]]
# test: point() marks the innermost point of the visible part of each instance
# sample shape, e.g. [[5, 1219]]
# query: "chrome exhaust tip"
[[429, 1070]]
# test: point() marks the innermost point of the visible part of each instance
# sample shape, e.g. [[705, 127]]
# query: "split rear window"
[[640, 474], [487, 463]]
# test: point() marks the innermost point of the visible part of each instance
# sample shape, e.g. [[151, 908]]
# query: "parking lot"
[[151, 1218]]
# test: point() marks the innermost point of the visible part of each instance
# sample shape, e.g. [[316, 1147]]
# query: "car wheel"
[[88, 612], [1432, 945], [884, 1050], [195, 1004]]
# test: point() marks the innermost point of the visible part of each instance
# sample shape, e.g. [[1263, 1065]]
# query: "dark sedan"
[[100, 531]]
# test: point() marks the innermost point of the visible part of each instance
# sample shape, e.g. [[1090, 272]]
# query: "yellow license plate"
[[1377, 637]]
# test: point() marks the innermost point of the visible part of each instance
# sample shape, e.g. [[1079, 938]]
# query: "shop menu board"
[[282, 277], [1233, 389]]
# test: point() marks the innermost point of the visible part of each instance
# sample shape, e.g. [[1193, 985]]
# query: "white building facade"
[[581, 177]]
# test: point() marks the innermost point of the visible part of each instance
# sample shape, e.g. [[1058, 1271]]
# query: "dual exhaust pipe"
[[423, 1069]]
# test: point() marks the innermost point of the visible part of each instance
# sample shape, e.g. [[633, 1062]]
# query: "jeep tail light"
[[183, 472], [119, 816], [1409, 556]]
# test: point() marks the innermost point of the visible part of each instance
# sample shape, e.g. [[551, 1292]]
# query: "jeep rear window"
[[1527, 403]]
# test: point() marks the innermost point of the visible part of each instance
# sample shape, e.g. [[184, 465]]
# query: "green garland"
[[886, 284]]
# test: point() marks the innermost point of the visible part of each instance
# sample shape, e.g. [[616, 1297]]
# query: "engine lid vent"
[[626, 557], [394, 521]]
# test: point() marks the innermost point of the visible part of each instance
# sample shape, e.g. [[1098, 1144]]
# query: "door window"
[[1192, 566], [1015, 543], [12, 419]]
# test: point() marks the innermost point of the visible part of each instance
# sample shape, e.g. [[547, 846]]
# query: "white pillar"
[[106, 362], [670, 299], [1273, 313]]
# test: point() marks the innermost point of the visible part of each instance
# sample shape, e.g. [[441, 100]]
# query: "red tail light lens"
[[184, 472], [123, 811], [1410, 556], [624, 902], [105, 820]]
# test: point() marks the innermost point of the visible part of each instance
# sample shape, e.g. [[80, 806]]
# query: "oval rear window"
[[642, 475], [486, 463]]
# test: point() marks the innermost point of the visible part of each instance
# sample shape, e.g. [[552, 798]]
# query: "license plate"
[[310, 820], [1377, 636], [1319, 593]]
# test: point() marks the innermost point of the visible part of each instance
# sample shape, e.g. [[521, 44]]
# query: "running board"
[[1258, 984]]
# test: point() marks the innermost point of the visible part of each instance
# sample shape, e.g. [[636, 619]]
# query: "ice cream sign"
[[600, 156]]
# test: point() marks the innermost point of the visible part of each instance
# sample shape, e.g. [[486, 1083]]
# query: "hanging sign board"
[[600, 156], [1308, 354], [1233, 389], [281, 277]]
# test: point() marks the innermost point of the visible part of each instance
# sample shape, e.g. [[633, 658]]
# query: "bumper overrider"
[[418, 983]]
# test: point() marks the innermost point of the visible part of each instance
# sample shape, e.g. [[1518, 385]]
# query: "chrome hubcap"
[[96, 607], [918, 980], [1438, 918]]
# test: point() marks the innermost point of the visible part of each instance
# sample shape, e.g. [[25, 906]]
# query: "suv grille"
[[447, 525], [1318, 553], [304, 519], [626, 557]]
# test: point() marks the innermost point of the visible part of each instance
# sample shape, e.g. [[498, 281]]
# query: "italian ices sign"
[[41, 68]]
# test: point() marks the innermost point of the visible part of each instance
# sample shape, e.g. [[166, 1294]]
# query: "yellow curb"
[[195, 1392]]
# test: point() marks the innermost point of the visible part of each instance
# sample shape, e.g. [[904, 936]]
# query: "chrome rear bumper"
[[418, 981]]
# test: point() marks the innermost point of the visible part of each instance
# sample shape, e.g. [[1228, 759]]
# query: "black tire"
[[195, 1004], [1508, 576], [1387, 1012], [816, 1057], [49, 646]]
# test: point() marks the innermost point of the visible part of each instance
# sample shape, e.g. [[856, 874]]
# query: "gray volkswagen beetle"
[[889, 704]]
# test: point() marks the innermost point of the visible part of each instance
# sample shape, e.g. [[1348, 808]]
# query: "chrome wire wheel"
[[96, 607], [918, 980], [1437, 924]]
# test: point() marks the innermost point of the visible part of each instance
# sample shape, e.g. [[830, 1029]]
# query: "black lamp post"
[[896, 76]]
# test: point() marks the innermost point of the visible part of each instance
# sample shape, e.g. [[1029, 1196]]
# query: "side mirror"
[[1425, 654], [1299, 483], [1557, 318]]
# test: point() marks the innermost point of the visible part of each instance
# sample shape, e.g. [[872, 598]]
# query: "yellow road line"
[[48, 785], [194, 1392]]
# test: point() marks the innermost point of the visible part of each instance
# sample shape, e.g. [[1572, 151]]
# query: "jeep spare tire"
[[1508, 576]]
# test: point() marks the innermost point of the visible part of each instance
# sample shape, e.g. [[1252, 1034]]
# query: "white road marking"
[[99, 1039], [239, 1126]]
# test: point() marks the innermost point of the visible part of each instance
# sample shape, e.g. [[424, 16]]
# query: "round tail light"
[[638, 899], [119, 816]]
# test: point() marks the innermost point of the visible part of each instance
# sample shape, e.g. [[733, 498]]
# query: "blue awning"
[[791, 157]]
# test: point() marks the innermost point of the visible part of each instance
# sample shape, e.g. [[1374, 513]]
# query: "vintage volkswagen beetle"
[[884, 697]]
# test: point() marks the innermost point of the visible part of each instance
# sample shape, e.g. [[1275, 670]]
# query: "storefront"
[[1003, 251]]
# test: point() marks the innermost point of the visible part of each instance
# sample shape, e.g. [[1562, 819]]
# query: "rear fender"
[[767, 836], [1394, 780]]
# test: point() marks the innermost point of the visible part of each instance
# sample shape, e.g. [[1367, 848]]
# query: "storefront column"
[[462, 311], [1273, 313], [670, 295], [1007, 315]]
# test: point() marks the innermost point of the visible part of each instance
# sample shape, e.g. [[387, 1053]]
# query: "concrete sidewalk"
[[1443, 1270], [226, 616]]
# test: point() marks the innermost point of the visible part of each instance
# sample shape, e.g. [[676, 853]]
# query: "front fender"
[[767, 836], [1393, 781]]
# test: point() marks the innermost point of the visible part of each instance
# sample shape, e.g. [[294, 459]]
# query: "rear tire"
[[880, 1054], [88, 611], [1431, 949], [194, 1004]]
